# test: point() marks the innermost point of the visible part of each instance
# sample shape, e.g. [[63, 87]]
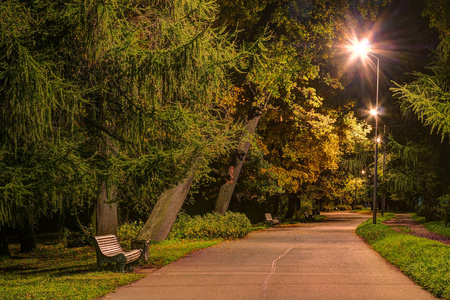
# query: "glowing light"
[[374, 112], [361, 48], [363, 172], [378, 140]]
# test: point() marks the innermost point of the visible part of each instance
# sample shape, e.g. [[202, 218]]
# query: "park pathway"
[[323, 260]]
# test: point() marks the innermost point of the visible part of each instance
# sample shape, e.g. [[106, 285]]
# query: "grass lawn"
[[56, 272], [426, 262], [438, 227], [434, 226]]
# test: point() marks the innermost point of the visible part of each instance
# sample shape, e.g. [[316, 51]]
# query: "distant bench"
[[270, 220], [108, 251]]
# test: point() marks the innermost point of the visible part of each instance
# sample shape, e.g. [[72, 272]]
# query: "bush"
[[426, 262], [359, 207], [443, 209], [127, 233], [210, 226], [344, 207]]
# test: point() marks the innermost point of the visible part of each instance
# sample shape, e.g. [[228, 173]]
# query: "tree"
[[299, 44], [102, 97], [428, 96]]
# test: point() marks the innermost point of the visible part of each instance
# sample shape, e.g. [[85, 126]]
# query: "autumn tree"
[[297, 37]]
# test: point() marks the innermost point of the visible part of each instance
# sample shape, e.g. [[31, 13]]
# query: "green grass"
[[434, 226], [55, 272], [426, 262], [168, 251], [438, 227]]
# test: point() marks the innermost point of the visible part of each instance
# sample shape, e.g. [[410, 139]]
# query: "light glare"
[[373, 112], [361, 48]]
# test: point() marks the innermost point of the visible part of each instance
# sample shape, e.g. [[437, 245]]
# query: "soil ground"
[[403, 223]]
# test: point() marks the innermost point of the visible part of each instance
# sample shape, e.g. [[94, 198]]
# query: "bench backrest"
[[108, 244], [268, 217]]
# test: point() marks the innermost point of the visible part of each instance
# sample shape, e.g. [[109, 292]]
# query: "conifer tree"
[[100, 97]]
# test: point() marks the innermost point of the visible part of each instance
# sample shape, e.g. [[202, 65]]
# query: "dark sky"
[[404, 42]]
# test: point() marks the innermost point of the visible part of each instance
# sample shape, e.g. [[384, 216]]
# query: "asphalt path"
[[324, 260]]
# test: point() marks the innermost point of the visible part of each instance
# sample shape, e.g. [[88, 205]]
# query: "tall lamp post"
[[362, 49]]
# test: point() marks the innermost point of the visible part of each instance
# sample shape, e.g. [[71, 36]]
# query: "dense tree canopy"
[[126, 103]]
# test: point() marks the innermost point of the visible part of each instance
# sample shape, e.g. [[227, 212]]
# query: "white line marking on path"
[[272, 271]]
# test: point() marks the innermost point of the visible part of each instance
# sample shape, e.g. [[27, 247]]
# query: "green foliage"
[[443, 209], [343, 207], [359, 207], [411, 177], [211, 226], [127, 233], [120, 91], [426, 262], [428, 95], [438, 11]]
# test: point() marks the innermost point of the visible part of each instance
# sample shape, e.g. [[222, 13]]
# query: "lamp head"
[[361, 48], [374, 112]]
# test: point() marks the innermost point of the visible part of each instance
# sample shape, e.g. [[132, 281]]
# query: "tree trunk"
[[293, 207], [106, 213], [238, 159], [165, 212], [26, 234], [276, 206], [4, 251], [106, 221]]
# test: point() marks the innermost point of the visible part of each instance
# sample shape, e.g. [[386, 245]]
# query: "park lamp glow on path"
[[362, 49]]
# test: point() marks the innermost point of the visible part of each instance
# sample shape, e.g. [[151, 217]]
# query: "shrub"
[[210, 226], [127, 233], [443, 209], [329, 207], [359, 207], [344, 207]]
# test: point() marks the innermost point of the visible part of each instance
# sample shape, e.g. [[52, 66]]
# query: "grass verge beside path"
[[55, 272], [426, 262], [434, 226]]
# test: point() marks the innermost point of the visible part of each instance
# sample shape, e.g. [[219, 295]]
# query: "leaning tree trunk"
[[4, 251], [165, 212], [238, 159], [106, 210]]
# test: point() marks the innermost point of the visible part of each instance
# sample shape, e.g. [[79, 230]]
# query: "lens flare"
[[361, 48]]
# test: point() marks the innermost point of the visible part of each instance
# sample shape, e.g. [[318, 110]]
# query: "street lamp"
[[362, 49]]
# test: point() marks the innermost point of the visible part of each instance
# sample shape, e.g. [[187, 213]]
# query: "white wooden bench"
[[108, 250], [270, 220]]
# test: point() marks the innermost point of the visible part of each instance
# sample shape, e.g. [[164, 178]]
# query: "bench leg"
[[100, 264], [121, 263]]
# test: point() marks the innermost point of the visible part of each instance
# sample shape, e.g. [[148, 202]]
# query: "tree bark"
[[26, 234], [293, 207], [4, 251], [165, 212], [106, 220], [238, 159], [106, 212]]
